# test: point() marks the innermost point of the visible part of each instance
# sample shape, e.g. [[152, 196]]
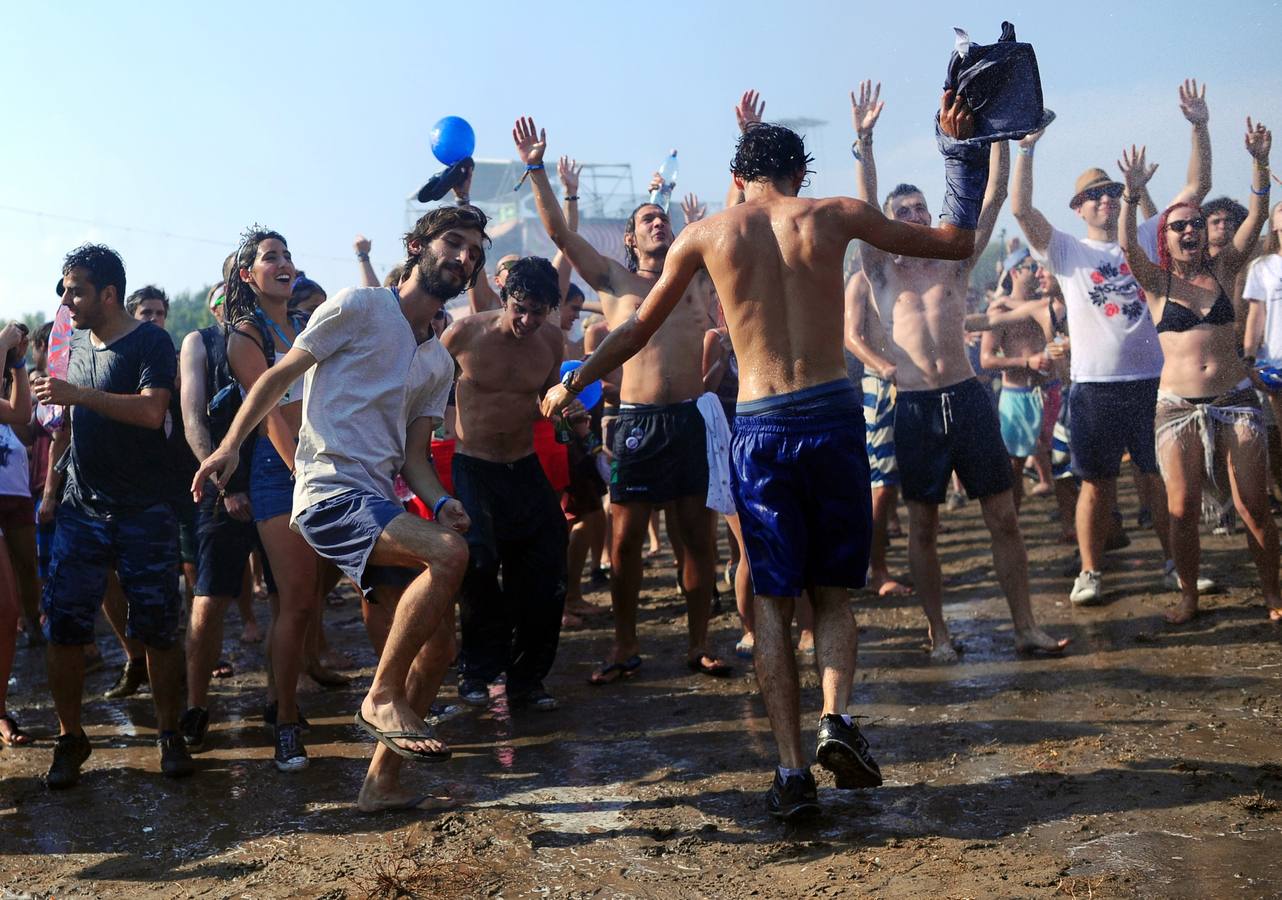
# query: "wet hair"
[[572, 292], [104, 265], [768, 152], [1163, 251], [1236, 211], [533, 280], [142, 295], [435, 223], [630, 230], [41, 336], [394, 275], [903, 189], [240, 297]]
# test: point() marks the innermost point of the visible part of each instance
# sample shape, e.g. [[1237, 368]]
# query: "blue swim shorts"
[[344, 528], [142, 546], [801, 485], [1020, 412]]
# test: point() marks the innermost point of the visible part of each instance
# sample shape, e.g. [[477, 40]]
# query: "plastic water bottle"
[[668, 172]]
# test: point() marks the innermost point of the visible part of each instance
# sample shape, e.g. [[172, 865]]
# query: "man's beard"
[[435, 280]]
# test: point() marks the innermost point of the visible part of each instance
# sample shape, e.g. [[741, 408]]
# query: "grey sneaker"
[[1204, 585], [1086, 589]]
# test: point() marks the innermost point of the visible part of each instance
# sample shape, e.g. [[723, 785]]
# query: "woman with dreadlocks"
[[1207, 411], [261, 330]]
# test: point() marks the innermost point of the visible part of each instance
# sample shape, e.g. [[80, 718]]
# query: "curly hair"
[[533, 280], [435, 223], [1236, 211], [768, 152], [240, 297], [630, 230], [104, 265]]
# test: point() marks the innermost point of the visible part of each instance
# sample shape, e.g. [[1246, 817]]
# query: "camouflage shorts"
[[141, 546]]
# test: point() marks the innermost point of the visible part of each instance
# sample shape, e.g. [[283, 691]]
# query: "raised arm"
[[1034, 224], [362, 244], [15, 410], [1259, 141], [1198, 182], [592, 267], [863, 221], [865, 109], [747, 112], [994, 197], [1136, 173]]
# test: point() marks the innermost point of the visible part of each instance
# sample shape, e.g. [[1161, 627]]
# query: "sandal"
[[388, 739], [608, 673], [16, 736], [705, 664]]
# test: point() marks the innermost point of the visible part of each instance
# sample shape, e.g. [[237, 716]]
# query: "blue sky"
[[160, 124]]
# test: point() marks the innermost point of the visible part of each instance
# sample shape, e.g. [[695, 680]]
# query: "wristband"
[[1026, 151], [533, 167], [565, 383], [462, 200], [362, 256], [21, 364], [1263, 193], [572, 198], [1127, 198], [436, 510]]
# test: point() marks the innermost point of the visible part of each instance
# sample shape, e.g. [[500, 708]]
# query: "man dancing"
[[801, 469], [377, 388]]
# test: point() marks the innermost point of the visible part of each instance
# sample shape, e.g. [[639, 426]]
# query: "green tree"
[[187, 312]]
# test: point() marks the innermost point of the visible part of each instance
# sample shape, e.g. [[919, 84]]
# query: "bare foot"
[[1042, 490], [376, 798], [570, 620], [806, 643], [1275, 610], [250, 634], [1035, 642], [944, 653], [885, 586], [1184, 613], [398, 716], [581, 607]]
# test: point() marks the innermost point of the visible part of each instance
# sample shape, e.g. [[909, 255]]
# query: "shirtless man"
[[866, 339], [801, 469], [509, 357], [376, 388], [1024, 364], [944, 420], [660, 447]]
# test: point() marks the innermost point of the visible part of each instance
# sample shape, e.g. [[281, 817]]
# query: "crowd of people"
[[494, 457]]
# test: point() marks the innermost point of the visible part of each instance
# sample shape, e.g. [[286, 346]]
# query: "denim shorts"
[[142, 547], [271, 484]]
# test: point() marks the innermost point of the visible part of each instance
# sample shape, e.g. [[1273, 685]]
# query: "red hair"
[[1163, 253]]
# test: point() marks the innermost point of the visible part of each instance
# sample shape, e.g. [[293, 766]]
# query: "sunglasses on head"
[[1107, 190], [1180, 225]]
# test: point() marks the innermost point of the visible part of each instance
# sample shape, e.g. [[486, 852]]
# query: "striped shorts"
[[879, 429]]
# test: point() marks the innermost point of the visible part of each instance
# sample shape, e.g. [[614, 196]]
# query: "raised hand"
[[955, 117], [1028, 141], [1259, 140], [1193, 102], [530, 141], [656, 183], [567, 170], [1135, 170], [866, 108], [693, 209], [362, 244], [749, 110], [463, 190]]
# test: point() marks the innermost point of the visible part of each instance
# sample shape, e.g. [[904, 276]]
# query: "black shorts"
[[952, 429], [185, 510], [1109, 418], [660, 453], [223, 545]]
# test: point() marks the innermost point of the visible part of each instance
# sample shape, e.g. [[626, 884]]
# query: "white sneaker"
[[1204, 585], [1086, 589]]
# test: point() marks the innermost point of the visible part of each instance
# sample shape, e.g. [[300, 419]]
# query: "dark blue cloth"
[[140, 546], [114, 467], [950, 429], [801, 485], [223, 545], [1109, 418], [271, 484], [344, 528]]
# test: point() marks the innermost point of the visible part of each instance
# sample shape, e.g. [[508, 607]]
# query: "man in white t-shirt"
[[377, 382], [1116, 359], [1263, 293]]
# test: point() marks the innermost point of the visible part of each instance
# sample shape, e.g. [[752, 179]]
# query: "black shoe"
[[175, 760], [193, 726], [132, 677], [69, 753], [843, 751], [536, 697], [291, 755], [474, 692], [269, 717], [794, 798]]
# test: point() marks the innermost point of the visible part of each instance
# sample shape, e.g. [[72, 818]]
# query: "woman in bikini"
[[1207, 409], [261, 330]]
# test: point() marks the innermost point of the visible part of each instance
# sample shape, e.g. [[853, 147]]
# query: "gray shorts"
[[344, 528]]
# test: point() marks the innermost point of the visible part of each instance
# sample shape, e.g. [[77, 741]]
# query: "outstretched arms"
[[1259, 141], [747, 112], [865, 110], [994, 197], [1030, 219], [362, 244], [1136, 173], [1193, 106]]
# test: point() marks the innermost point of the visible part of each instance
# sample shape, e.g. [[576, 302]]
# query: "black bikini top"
[[1178, 318]]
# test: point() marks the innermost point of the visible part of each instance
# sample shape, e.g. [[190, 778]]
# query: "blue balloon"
[[590, 396], [452, 140]]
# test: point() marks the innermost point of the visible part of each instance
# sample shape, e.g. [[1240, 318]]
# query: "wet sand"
[[1145, 764]]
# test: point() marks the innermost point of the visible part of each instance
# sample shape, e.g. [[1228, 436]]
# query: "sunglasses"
[[1030, 266], [1198, 224], [1107, 190]]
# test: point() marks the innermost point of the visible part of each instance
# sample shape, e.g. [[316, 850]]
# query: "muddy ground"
[[1146, 764]]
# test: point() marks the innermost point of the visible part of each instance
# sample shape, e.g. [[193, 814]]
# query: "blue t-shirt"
[[115, 467]]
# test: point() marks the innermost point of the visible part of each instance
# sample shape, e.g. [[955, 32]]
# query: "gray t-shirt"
[[371, 379]]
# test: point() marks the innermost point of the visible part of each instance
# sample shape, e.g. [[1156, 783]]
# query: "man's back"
[[776, 264]]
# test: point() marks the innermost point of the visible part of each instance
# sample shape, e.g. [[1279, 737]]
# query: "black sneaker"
[[474, 692], [193, 726], [269, 717], [843, 751], [536, 697], [291, 755], [132, 677], [175, 760], [794, 798], [69, 753]]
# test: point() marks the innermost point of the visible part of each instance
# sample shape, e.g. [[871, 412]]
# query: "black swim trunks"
[[660, 453], [945, 430]]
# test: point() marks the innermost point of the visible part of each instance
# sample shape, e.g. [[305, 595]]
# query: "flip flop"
[[716, 668], [388, 739], [222, 669], [609, 673], [16, 737]]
